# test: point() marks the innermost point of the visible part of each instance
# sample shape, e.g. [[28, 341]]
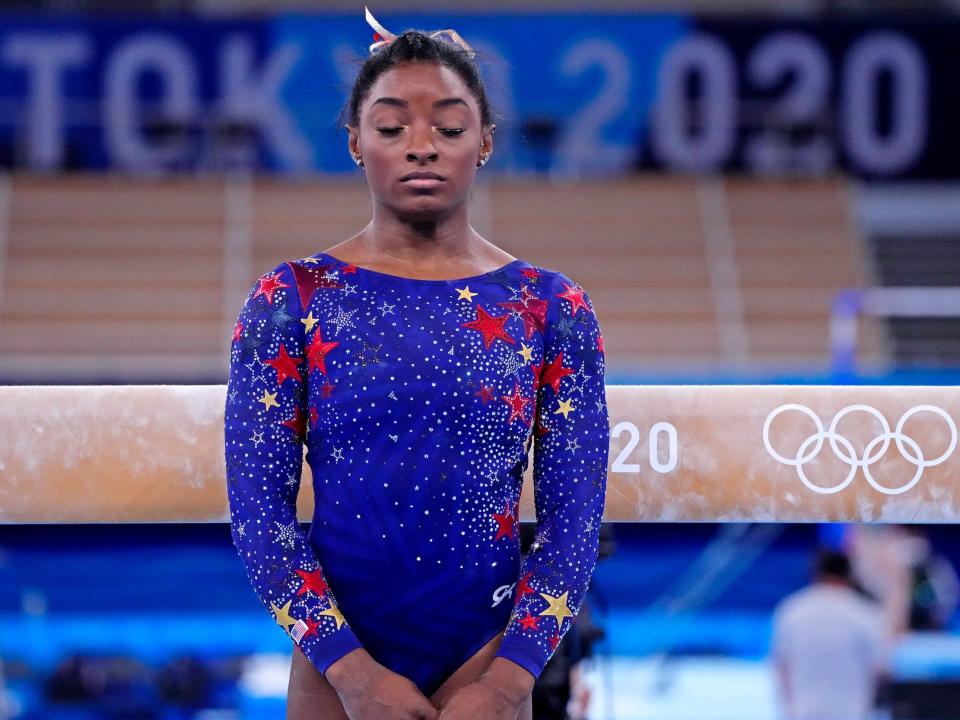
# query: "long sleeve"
[[571, 437], [265, 424]]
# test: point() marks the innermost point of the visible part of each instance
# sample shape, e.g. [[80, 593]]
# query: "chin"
[[423, 206], [423, 214]]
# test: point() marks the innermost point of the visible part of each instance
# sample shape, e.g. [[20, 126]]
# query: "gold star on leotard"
[[283, 617], [269, 400], [558, 608], [527, 352], [309, 321], [465, 294], [565, 407], [334, 612]]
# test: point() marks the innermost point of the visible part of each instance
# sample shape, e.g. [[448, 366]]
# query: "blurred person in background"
[[830, 646], [917, 586]]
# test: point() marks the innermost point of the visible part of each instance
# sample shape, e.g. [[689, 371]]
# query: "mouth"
[[422, 179]]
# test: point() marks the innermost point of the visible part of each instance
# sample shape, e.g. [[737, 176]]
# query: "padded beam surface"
[[700, 453]]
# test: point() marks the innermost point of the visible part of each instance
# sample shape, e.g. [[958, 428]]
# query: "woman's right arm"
[[266, 419]]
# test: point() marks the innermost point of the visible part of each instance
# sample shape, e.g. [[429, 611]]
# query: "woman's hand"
[[388, 696], [480, 700], [370, 691]]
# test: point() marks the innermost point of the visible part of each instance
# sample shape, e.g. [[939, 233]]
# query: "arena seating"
[[139, 280]]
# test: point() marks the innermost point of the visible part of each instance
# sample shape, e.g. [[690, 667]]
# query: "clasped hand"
[[386, 695], [479, 700]]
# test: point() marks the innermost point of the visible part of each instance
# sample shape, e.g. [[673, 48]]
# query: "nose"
[[421, 146]]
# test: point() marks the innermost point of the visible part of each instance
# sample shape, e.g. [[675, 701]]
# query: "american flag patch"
[[298, 630]]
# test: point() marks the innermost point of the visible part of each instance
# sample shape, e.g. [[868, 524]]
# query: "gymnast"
[[418, 363]]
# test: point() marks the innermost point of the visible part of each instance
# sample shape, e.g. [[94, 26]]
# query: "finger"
[[427, 712], [423, 703]]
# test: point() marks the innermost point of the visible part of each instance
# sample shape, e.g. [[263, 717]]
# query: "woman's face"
[[420, 117]]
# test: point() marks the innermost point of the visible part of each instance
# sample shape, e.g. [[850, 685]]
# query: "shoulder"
[[283, 282], [556, 285], [291, 267], [291, 264], [280, 272], [551, 278], [567, 299]]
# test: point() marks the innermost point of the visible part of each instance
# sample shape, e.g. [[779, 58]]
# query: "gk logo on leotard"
[[504, 591], [872, 453]]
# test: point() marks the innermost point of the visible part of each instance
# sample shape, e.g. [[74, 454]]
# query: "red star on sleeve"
[[574, 295], [529, 622], [318, 350], [490, 327], [523, 587], [312, 582], [298, 423], [285, 365], [554, 372], [532, 310], [312, 626], [237, 329], [268, 285], [311, 279]]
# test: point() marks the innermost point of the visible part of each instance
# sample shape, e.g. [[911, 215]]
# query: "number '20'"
[[665, 465]]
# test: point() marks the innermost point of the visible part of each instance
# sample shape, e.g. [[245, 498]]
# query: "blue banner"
[[573, 95]]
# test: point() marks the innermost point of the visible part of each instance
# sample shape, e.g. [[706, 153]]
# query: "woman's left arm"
[[571, 445], [570, 456]]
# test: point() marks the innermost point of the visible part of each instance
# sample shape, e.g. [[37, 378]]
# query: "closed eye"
[[392, 131]]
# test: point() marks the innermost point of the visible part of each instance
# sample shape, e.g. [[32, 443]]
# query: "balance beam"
[[678, 453]]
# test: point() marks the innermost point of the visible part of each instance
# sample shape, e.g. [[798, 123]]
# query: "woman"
[[418, 362]]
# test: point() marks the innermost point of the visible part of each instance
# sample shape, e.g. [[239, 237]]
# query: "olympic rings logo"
[[875, 449]]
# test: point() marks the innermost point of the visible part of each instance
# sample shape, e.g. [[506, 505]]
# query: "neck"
[[415, 240]]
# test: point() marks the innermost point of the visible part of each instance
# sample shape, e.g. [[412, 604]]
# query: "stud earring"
[[358, 160], [483, 161]]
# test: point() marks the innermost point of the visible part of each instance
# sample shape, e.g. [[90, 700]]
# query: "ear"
[[353, 140], [486, 141]]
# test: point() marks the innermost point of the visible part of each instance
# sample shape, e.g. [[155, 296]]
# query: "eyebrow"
[[403, 103]]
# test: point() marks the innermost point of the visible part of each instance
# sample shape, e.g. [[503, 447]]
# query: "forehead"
[[420, 84]]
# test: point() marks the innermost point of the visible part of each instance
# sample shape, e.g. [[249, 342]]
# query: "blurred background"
[[751, 191]]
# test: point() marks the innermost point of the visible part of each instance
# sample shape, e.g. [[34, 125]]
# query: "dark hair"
[[832, 563], [408, 46]]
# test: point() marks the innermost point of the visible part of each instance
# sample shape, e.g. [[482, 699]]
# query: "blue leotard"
[[417, 401]]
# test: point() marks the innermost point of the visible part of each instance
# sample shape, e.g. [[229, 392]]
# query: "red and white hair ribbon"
[[384, 36]]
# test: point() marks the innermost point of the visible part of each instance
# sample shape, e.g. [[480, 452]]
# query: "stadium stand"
[[140, 279]]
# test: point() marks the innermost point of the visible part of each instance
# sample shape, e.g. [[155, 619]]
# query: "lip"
[[421, 175], [424, 182]]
